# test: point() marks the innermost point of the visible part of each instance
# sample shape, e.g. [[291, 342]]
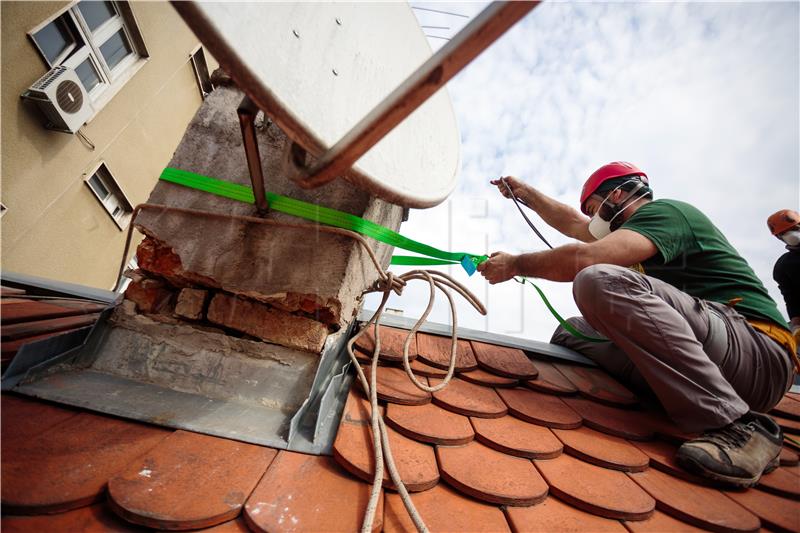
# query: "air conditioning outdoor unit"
[[61, 97]]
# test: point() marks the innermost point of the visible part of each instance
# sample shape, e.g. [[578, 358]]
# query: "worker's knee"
[[593, 280], [561, 336]]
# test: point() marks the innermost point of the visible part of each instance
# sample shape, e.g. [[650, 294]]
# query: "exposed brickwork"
[[260, 321], [191, 303], [156, 258], [149, 295]]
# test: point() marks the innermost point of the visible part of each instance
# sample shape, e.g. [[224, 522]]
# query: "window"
[[99, 40], [200, 67], [110, 195]]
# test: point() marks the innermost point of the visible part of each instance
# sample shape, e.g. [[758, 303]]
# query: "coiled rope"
[[380, 440]]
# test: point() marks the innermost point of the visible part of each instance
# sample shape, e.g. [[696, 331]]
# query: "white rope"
[[380, 438]]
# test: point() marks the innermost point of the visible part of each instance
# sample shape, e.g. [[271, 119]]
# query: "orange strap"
[[780, 335]]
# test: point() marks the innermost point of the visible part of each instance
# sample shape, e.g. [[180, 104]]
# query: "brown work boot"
[[737, 454]]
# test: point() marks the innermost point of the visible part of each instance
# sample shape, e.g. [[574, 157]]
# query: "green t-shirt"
[[694, 256]]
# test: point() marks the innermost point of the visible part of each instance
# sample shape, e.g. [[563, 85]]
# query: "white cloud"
[[704, 97]]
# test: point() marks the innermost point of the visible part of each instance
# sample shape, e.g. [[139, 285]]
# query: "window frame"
[[116, 196], [111, 80], [197, 58]]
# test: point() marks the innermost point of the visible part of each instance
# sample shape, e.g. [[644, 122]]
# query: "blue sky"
[[703, 97]]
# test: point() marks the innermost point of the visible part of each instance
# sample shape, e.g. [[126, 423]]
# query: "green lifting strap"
[[332, 217], [315, 213]]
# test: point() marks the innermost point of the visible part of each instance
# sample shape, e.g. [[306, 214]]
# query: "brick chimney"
[[282, 286]]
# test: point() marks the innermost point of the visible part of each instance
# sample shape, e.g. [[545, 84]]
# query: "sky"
[[702, 96]]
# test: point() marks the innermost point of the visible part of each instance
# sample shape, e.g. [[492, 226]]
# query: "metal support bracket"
[[247, 112]]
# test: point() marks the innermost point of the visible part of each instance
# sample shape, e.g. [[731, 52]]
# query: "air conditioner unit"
[[61, 97]]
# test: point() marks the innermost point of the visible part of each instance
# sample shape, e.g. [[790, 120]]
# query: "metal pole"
[[247, 112]]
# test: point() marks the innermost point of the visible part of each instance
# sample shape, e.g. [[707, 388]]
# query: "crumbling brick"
[[190, 303], [149, 295], [158, 259], [267, 324]]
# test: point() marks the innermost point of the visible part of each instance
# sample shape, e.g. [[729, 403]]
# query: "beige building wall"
[[54, 226]]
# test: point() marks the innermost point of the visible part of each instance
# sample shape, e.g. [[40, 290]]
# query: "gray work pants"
[[703, 361]]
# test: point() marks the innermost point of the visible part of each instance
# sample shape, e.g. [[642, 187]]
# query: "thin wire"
[[437, 37], [436, 27], [439, 11], [517, 202]]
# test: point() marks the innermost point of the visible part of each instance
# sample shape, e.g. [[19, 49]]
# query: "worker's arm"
[[562, 217], [622, 247]]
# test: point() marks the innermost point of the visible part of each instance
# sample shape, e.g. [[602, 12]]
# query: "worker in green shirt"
[[697, 328]]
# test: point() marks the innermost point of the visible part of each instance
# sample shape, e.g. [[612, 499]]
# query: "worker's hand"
[[499, 267], [517, 185]]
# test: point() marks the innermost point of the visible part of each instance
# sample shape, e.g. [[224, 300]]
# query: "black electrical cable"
[[521, 212]]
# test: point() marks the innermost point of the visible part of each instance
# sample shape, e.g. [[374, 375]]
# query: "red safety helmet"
[[607, 172], [783, 220]]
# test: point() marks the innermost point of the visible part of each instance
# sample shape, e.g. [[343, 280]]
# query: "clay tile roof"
[[569, 450], [28, 318]]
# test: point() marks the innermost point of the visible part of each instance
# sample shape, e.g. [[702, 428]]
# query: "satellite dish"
[[316, 69]]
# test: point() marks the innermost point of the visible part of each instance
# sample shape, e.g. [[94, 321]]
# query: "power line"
[[438, 11], [437, 37], [436, 27]]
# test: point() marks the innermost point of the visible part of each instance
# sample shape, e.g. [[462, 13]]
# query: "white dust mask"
[[792, 237], [599, 227]]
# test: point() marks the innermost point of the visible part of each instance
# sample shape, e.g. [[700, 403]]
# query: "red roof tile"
[[550, 380], [661, 523], [516, 437], [781, 482], [353, 450], [444, 509], [68, 466], [89, 519], [435, 350], [596, 384], [395, 386], [421, 368], [503, 361], [487, 379], [316, 493], [700, 506], [38, 327], [392, 340], [16, 310], [554, 516], [308, 493], [430, 423], [614, 421], [23, 419], [469, 399], [774, 511], [491, 476], [539, 408], [788, 407], [601, 449], [788, 457], [787, 424], [11, 291], [595, 489], [189, 481]]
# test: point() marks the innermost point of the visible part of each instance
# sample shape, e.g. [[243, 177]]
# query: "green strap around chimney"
[[332, 217]]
